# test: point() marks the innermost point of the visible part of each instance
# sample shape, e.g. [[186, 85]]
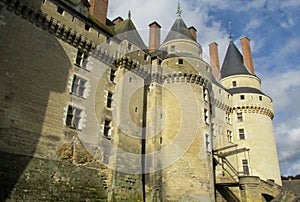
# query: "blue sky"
[[274, 30]]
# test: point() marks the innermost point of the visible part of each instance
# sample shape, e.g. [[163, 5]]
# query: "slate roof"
[[233, 62], [127, 30], [179, 30], [244, 90]]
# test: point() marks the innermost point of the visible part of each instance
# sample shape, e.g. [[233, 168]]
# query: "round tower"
[[251, 115], [185, 137]]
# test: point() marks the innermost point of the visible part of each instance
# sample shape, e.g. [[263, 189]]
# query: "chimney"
[[193, 32], [154, 36], [117, 20], [247, 55], [214, 60], [98, 9]]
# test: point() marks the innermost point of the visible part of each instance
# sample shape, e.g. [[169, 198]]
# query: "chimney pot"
[[247, 55]]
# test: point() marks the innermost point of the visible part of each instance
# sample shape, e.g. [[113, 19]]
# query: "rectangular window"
[[107, 128], [242, 134], [109, 99], [180, 61], [234, 83], [208, 143], [173, 48], [205, 94], [228, 119], [60, 10], [129, 46], [78, 86], [145, 57], [242, 97], [206, 116], [229, 136], [81, 59], [260, 98], [239, 117], [87, 27], [112, 75], [245, 167], [73, 117]]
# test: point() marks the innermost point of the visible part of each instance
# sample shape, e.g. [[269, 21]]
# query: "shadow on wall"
[[32, 65]]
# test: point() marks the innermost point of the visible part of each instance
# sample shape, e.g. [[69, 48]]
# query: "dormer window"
[[172, 48]]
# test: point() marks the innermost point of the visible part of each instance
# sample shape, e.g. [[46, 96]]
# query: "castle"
[[90, 113]]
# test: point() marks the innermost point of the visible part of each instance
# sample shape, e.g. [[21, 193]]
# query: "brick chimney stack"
[[214, 60], [154, 36], [99, 9], [247, 55], [193, 32]]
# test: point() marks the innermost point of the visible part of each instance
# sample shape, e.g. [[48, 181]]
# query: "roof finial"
[[129, 14], [230, 31], [179, 10]]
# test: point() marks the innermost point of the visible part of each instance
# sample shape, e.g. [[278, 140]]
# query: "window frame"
[[242, 135], [73, 117], [245, 165], [239, 117]]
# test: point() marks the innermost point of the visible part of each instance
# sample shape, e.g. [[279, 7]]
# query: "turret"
[[251, 115], [181, 40]]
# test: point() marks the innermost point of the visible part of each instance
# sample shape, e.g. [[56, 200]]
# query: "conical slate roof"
[[179, 30], [127, 30], [233, 63]]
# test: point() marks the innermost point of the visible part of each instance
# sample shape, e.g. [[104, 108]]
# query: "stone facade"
[[89, 114]]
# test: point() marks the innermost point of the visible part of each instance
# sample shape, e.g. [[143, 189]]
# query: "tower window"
[[205, 94], [106, 128], [173, 48], [180, 61], [242, 97], [242, 134], [228, 120], [234, 83], [112, 75], [145, 57], [245, 167], [129, 46], [78, 86], [87, 27], [239, 117], [208, 143], [229, 136], [109, 99], [81, 59], [207, 68], [206, 116], [73, 119], [260, 98], [60, 10]]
